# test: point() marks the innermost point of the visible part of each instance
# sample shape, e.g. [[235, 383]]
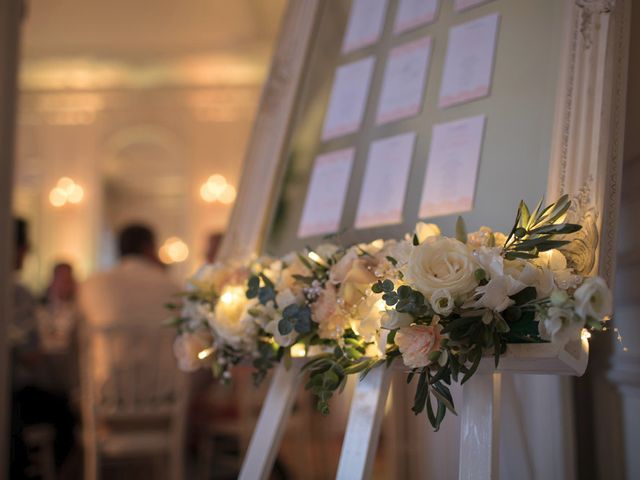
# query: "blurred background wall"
[[139, 106]]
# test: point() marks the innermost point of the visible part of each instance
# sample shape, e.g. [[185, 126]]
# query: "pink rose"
[[325, 312], [417, 342]]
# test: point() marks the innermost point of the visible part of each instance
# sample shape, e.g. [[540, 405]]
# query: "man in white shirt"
[[132, 294], [135, 291]]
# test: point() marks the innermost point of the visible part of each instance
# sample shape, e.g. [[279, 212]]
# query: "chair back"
[[129, 372]]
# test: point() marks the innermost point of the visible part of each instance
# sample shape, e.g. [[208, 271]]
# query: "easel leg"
[[480, 428], [363, 429], [266, 438]]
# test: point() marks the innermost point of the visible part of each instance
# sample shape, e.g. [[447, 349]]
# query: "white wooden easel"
[[480, 412]]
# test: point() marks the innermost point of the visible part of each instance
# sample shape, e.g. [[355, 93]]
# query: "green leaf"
[[392, 260], [524, 214], [285, 326], [461, 230], [416, 242], [387, 286], [556, 228], [474, 366], [443, 394], [524, 296]]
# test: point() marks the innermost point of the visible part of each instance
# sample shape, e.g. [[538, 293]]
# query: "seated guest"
[[33, 401]]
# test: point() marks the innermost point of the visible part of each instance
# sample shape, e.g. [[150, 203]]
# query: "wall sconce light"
[[66, 191], [217, 189], [173, 250]]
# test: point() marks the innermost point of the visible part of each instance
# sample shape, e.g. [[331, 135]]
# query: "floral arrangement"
[[438, 304]]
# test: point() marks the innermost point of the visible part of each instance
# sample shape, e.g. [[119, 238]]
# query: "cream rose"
[[417, 342], [593, 299], [441, 263], [230, 321], [187, 347]]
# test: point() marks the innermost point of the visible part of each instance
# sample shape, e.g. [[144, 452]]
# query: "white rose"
[[231, 321], [392, 319], [417, 342], [186, 348], [560, 326], [593, 299], [426, 230], [441, 262], [442, 302]]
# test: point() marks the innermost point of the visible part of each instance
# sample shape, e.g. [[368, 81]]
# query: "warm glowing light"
[[205, 353], [381, 305], [232, 294], [228, 195], [298, 350], [57, 197], [217, 189], [66, 191], [173, 250], [75, 194], [586, 335], [315, 257]]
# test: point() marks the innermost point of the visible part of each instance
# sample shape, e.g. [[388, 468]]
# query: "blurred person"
[[57, 322], [32, 401], [213, 246], [134, 292], [59, 302]]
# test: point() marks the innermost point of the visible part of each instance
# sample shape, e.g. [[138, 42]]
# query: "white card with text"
[[414, 13], [348, 98], [326, 193], [385, 181], [468, 64], [404, 81], [452, 168], [365, 25]]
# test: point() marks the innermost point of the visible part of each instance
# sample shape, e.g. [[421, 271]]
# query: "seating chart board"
[[487, 60]]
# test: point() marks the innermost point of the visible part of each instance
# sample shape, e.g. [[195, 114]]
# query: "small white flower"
[[496, 293], [560, 326], [593, 299], [442, 302]]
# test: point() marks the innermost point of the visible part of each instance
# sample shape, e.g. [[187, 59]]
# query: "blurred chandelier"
[[217, 189], [66, 191], [173, 250]]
